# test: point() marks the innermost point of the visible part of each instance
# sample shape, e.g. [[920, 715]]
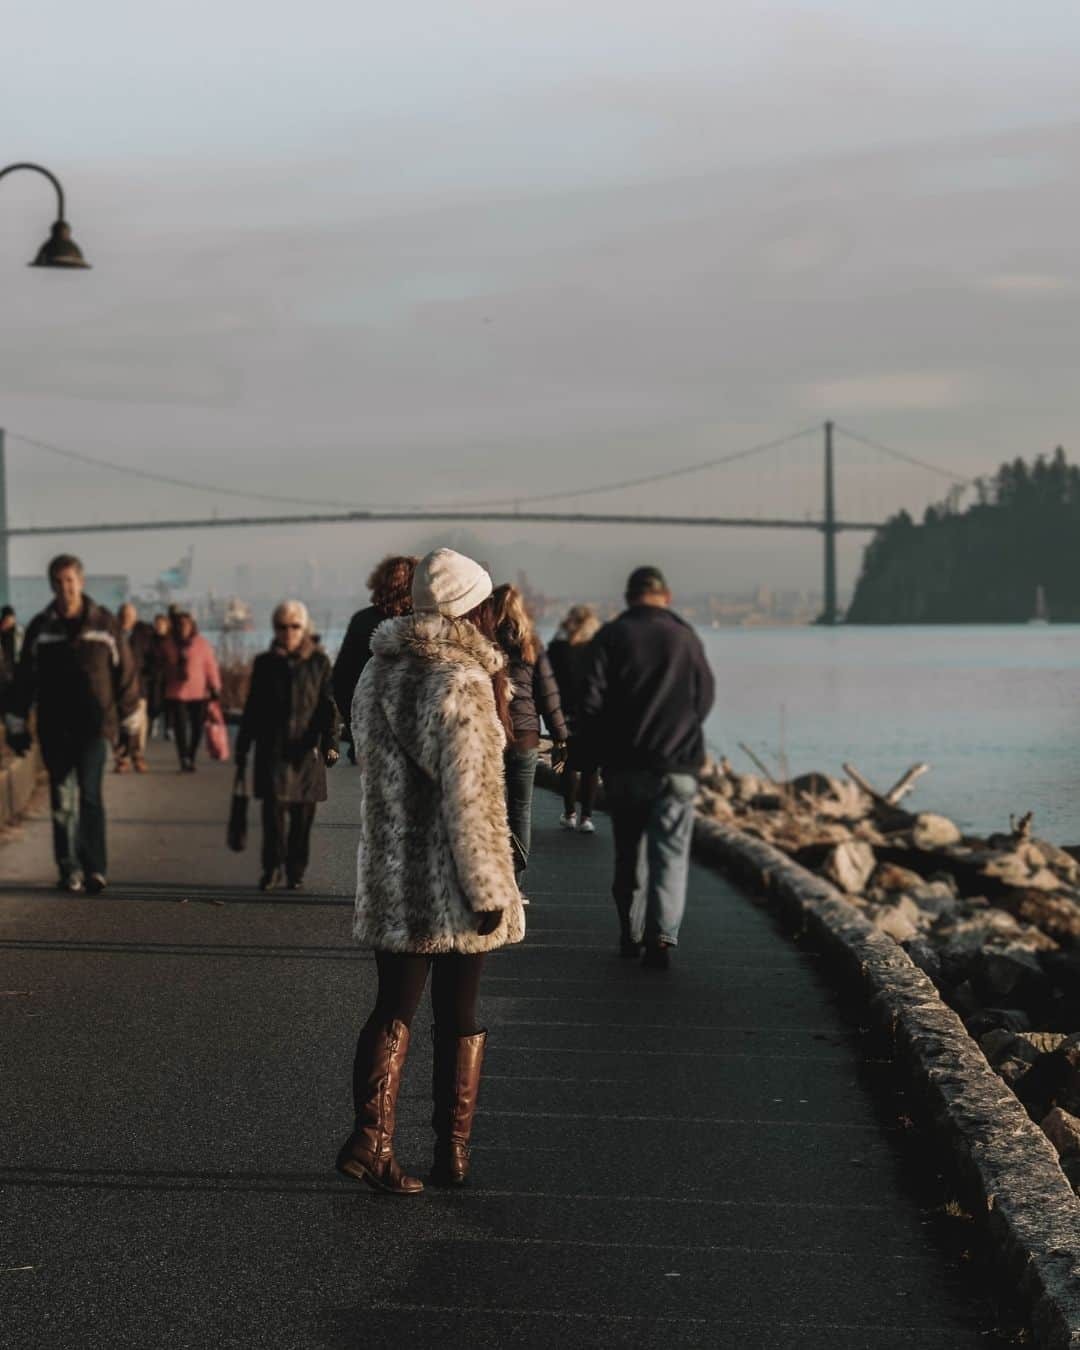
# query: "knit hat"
[[449, 583]]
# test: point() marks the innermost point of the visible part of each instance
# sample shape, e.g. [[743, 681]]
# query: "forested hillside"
[[985, 563]]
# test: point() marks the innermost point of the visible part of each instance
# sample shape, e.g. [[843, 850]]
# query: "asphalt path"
[[702, 1157]]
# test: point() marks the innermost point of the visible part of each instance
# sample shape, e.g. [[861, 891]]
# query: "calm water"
[[994, 711]]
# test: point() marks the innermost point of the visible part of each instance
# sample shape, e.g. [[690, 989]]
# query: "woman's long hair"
[[514, 631], [483, 620], [581, 624], [390, 584]]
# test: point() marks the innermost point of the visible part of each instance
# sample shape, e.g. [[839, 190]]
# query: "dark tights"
[[455, 987], [588, 785]]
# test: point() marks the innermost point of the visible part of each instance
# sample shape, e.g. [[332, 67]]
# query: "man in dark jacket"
[[79, 672], [647, 693]]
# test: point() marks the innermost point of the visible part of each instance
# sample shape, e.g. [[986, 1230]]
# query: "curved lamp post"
[[59, 250]]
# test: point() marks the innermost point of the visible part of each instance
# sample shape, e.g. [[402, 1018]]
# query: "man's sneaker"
[[569, 820], [270, 881], [72, 883], [140, 764], [586, 826], [95, 883], [657, 956]]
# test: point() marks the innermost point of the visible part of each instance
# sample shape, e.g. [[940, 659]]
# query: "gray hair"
[[296, 607]]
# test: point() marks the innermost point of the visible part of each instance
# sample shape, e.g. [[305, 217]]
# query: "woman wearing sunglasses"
[[290, 718]]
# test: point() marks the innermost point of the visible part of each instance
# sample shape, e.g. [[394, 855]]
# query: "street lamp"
[[59, 250]]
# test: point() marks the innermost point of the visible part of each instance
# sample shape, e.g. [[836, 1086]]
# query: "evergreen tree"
[[983, 564]]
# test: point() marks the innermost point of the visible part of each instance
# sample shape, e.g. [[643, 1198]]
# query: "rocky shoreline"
[[994, 922]]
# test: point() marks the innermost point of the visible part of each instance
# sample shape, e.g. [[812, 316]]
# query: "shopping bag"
[[236, 836], [217, 734]]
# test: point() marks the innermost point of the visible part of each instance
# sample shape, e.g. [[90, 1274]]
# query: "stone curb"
[[17, 784], [1005, 1160]]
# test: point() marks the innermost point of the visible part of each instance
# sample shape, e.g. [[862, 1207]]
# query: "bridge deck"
[[697, 1159]]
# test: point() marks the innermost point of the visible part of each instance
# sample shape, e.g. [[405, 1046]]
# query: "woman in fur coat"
[[435, 881]]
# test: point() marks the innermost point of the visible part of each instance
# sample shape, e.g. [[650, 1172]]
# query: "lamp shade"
[[60, 250]]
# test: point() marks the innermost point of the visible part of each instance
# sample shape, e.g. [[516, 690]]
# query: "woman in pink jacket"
[[191, 679]]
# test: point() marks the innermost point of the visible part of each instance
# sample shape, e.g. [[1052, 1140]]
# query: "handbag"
[[217, 734], [236, 835]]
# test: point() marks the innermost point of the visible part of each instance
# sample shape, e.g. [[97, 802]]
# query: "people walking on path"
[[192, 679], [435, 881], [568, 652], [534, 695], [647, 693], [139, 636], [390, 585], [290, 718], [79, 673]]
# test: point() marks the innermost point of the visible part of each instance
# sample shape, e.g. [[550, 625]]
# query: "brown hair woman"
[[534, 696], [390, 585]]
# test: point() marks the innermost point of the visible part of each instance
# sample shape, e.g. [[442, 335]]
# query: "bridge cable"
[[901, 455], [170, 481], [647, 478]]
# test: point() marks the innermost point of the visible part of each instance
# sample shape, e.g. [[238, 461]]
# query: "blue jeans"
[[520, 776], [77, 800], [652, 816]]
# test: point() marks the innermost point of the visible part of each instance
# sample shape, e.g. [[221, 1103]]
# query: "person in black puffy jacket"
[[569, 654], [390, 584], [534, 696]]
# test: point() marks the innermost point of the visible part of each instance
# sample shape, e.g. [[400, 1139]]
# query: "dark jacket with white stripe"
[[80, 674]]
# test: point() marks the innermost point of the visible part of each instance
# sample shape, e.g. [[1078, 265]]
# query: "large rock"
[[936, 898], [899, 921], [1003, 969], [1063, 1131], [999, 1045], [892, 877], [1053, 1080], [850, 865], [931, 831]]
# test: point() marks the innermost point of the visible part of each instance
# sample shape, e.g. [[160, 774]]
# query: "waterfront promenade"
[[697, 1158]]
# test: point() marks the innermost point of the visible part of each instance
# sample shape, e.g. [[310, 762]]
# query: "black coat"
[[354, 655], [290, 718], [570, 663], [535, 695], [81, 676], [647, 692]]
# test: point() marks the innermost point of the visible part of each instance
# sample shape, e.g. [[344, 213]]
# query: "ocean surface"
[[994, 711]]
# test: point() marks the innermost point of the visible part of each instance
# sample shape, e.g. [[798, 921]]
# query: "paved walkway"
[[689, 1159]]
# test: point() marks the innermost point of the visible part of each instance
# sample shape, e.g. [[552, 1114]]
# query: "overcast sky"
[[456, 250]]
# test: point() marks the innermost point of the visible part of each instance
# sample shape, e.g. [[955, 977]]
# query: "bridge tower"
[[6, 597], [829, 615]]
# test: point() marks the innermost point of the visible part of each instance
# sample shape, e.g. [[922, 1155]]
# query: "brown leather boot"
[[455, 1086], [368, 1153]]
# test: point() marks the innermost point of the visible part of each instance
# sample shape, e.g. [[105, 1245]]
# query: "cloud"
[[1027, 285], [898, 391]]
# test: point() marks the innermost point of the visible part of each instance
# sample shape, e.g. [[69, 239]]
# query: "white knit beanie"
[[449, 583]]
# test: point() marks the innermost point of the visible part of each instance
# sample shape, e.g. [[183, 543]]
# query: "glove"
[[487, 921], [18, 737], [559, 755], [331, 758]]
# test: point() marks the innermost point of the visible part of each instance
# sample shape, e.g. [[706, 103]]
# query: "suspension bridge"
[[520, 510]]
